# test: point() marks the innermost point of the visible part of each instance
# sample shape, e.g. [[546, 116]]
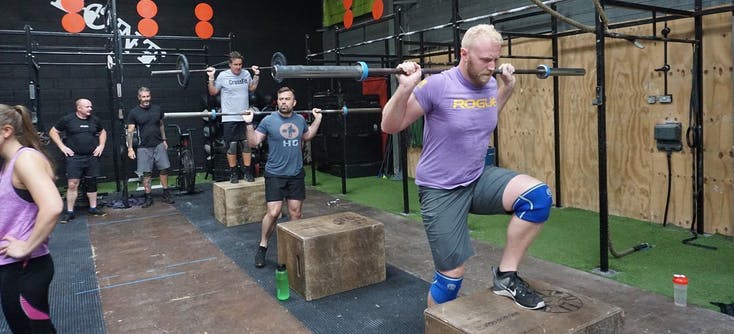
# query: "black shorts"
[[82, 165], [233, 131], [289, 187]]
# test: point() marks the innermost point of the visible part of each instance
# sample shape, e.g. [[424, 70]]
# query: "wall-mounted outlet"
[[668, 136]]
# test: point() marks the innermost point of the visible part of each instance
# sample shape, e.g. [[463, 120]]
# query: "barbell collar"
[[213, 114]]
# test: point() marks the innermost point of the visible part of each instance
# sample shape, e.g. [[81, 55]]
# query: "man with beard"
[[235, 86], [153, 146], [82, 146], [286, 131], [460, 107]]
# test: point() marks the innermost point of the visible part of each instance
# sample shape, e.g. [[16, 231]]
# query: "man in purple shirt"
[[460, 108]]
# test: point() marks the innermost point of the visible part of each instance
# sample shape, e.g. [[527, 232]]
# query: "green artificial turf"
[[571, 238]]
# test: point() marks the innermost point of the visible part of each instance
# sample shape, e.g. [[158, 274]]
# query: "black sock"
[[263, 248], [504, 273]]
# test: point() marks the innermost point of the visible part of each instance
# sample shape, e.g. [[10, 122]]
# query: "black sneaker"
[[67, 217], [97, 212], [148, 200], [167, 198], [511, 285], [249, 177], [260, 257], [233, 177]]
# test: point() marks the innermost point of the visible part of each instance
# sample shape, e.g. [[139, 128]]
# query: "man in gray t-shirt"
[[286, 132], [235, 86]]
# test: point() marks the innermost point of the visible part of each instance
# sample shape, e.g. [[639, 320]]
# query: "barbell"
[[183, 72], [361, 71], [279, 70], [212, 114]]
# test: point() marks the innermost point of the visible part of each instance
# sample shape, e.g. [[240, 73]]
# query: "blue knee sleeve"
[[534, 205], [445, 288], [91, 184]]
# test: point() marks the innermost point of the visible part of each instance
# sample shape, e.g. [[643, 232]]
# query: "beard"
[[478, 75], [286, 111]]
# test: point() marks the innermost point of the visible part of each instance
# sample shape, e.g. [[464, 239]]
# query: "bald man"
[[82, 145]]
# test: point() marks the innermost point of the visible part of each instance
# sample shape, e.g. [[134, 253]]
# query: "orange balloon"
[[148, 27], [147, 9], [72, 6], [377, 9], [348, 18], [203, 11], [204, 30], [347, 4], [73, 22]]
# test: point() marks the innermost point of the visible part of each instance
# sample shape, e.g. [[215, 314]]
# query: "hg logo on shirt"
[[474, 103], [290, 135]]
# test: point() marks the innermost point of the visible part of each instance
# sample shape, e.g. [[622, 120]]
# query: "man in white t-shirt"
[[235, 86]]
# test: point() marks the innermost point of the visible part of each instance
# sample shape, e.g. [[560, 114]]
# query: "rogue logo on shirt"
[[474, 103]]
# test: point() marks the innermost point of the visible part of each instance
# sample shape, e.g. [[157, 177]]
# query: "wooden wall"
[[637, 171]]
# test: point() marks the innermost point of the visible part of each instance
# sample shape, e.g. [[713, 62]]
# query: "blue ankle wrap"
[[534, 205], [445, 288]]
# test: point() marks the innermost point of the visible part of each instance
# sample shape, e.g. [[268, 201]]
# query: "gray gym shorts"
[[445, 213], [152, 156]]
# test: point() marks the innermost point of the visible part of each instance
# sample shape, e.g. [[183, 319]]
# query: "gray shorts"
[[445, 214], [152, 156]]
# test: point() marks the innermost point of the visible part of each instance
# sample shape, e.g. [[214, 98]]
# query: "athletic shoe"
[[511, 285], [249, 177], [148, 200], [167, 198], [260, 257], [97, 212], [67, 217], [233, 177]]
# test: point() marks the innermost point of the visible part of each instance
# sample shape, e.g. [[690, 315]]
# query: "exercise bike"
[[186, 171]]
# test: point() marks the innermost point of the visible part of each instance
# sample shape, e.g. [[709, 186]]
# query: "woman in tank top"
[[31, 206]]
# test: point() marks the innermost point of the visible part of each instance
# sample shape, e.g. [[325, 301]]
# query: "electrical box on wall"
[[668, 136]]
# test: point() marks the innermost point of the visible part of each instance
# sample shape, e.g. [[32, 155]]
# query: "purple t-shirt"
[[17, 216], [459, 119]]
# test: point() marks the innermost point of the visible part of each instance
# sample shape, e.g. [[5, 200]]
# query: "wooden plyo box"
[[485, 312], [239, 203], [330, 254]]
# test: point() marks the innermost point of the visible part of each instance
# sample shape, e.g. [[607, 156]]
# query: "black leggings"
[[24, 289]]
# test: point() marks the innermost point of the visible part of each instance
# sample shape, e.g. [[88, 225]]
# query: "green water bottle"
[[281, 283]]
